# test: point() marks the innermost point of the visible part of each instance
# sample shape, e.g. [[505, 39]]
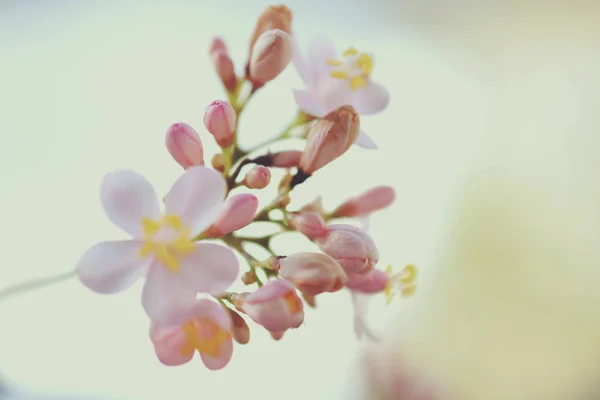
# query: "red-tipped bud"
[[184, 145], [258, 177]]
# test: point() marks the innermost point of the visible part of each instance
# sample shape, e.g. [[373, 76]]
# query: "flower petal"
[[197, 197], [320, 50], [209, 309], [111, 267], [304, 68], [225, 354], [370, 100], [363, 140], [211, 268], [360, 304], [170, 345], [309, 103], [166, 299], [127, 197]]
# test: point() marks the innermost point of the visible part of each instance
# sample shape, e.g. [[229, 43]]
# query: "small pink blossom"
[[310, 224], [352, 247], [184, 145], [206, 331], [258, 177], [367, 202], [331, 82], [271, 53], [311, 273], [162, 248], [237, 212], [219, 119], [275, 306]]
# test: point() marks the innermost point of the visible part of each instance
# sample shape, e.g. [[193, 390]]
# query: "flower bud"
[[309, 224], [217, 162], [329, 138], [365, 203], [258, 177], [312, 273], [271, 53], [239, 328], [237, 212], [184, 145], [249, 277], [351, 247], [275, 306], [373, 282], [219, 120], [217, 44], [286, 159], [274, 17], [224, 66]]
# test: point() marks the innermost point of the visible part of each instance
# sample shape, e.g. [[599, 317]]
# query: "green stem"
[[34, 284], [236, 244]]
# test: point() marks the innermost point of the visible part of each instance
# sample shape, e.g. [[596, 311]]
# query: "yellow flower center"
[[167, 239], [354, 66], [403, 282], [205, 336]]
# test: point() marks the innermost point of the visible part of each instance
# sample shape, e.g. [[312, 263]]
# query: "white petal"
[[211, 268], [127, 197], [360, 303], [319, 51], [309, 103], [370, 100], [363, 140], [165, 297], [111, 267], [197, 197], [304, 68]]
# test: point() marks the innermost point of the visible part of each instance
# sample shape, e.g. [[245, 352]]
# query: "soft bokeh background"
[[490, 140]]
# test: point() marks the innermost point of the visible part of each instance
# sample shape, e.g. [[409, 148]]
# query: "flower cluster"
[[185, 253]]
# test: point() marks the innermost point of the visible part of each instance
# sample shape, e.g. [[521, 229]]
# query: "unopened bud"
[[274, 17], [219, 119], [217, 44], [237, 212], [224, 66], [365, 203], [329, 138], [286, 159], [184, 145], [258, 177], [249, 277], [312, 273], [239, 328], [309, 224], [271, 53], [218, 162]]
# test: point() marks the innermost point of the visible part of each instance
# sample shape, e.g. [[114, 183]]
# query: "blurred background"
[[490, 140]]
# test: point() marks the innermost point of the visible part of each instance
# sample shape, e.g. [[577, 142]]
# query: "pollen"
[[403, 282], [355, 67], [205, 336], [167, 239]]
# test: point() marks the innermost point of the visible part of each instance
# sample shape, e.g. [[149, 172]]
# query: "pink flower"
[[352, 247], [184, 145], [271, 53], [311, 273], [367, 202], [332, 82], [258, 177], [219, 119], [162, 248], [237, 212], [206, 331], [309, 224], [275, 306]]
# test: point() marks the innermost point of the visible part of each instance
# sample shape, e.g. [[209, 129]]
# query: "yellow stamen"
[[403, 281], [205, 336], [365, 62], [350, 51], [356, 69], [358, 82], [340, 74], [335, 63], [166, 252]]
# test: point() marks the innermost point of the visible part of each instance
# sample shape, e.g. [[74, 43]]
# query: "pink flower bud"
[[365, 203], [219, 120], [373, 282], [239, 328], [184, 145], [274, 17], [351, 247], [312, 273], [224, 67], [217, 44], [286, 159], [271, 53], [258, 177], [237, 212], [309, 224], [329, 138], [275, 306]]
